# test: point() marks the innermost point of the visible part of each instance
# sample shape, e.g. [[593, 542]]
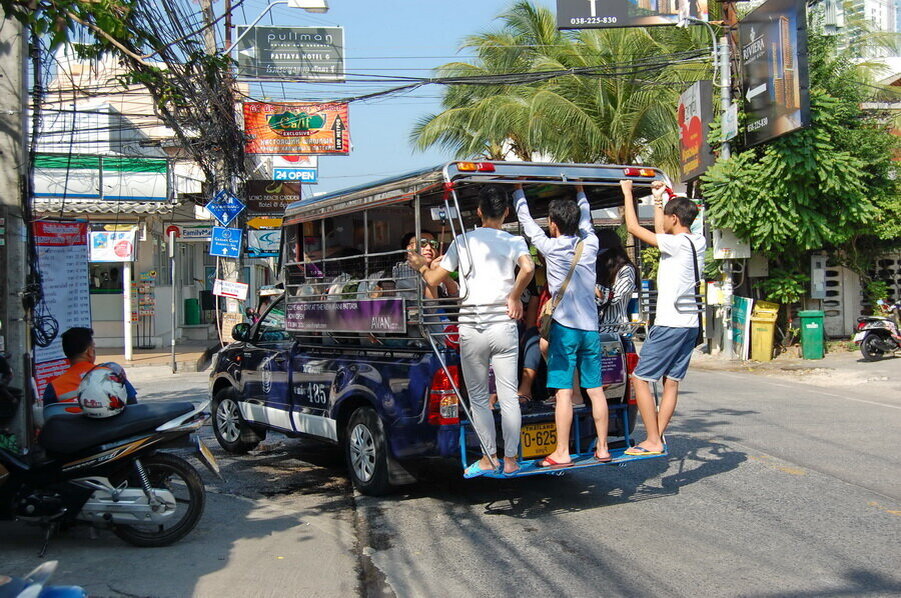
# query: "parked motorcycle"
[[879, 336], [112, 472], [34, 585]]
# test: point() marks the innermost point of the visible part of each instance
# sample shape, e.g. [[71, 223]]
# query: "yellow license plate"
[[538, 440]]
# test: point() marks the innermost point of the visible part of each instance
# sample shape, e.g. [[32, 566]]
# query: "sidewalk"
[[189, 357]]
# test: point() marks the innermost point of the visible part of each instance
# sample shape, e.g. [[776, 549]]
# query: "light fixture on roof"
[[318, 6]]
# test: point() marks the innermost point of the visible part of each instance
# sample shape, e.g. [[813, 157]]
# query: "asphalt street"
[[774, 487]]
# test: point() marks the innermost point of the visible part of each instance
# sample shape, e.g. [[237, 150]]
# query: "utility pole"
[[14, 250]]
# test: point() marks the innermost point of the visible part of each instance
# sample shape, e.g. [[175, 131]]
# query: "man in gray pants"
[[490, 289]]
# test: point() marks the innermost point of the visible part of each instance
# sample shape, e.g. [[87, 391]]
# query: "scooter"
[[34, 585], [112, 472], [879, 336]]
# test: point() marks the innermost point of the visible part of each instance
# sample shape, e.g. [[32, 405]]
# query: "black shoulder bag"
[[697, 294]]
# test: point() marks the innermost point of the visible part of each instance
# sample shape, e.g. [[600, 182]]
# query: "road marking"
[[881, 508], [812, 388], [767, 460]]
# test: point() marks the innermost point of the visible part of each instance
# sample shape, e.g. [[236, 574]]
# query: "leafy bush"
[[784, 286]]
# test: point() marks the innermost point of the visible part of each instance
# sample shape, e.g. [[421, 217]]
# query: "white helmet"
[[102, 391]]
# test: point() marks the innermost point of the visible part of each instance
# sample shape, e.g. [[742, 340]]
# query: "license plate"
[[538, 440], [859, 336], [207, 457]]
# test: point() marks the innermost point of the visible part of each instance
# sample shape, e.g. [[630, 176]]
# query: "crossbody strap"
[[558, 296], [694, 261]]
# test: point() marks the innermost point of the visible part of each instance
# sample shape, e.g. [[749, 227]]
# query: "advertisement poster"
[[297, 128], [112, 246], [613, 364], [602, 14], [263, 243], [291, 53], [694, 114], [365, 315], [773, 40], [63, 262], [271, 197], [741, 325]]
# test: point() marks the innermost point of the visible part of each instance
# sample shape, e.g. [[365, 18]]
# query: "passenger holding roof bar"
[[490, 290], [574, 339]]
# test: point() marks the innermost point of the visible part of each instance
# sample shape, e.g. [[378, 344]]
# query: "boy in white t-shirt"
[[490, 291], [667, 350]]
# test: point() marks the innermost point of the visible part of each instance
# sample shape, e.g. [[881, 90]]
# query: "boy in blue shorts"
[[574, 340], [667, 350]]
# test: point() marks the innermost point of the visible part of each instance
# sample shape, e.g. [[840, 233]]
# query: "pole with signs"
[[172, 279], [126, 310]]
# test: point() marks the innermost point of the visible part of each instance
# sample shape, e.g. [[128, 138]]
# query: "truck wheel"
[[233, 433], [366, 451], [869, 348]]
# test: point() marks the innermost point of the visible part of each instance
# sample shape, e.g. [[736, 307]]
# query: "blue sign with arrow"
[[226, 242], [225, 206]]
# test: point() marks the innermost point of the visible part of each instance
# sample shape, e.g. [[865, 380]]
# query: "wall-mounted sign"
[[296, 128], [694, 115], [301, 175], [271, 197], [774, 69], [112, 246], [263, 243], [226, 242], [600, 14], [230, 288], [291, 53], [191, 232]]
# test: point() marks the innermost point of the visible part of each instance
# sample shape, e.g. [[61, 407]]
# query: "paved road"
[[774, 488]]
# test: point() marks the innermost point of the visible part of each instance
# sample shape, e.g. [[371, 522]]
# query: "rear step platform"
[[579, 461]]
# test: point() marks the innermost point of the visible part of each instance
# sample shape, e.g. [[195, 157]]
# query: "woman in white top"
[[616, 281]]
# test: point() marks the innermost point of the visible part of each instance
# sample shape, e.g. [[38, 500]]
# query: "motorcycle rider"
[[61, 394]]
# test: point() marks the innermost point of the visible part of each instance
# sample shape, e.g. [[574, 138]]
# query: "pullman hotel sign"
[[775, 87], [291, 53]]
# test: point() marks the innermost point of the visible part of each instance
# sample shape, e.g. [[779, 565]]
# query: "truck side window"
[[272, 327]]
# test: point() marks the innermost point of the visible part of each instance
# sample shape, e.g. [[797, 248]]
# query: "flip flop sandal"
[[638, 451], [548, 463], [475, 470], [604, 460]]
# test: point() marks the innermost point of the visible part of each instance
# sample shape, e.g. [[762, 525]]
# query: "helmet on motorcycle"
[[102, 391]]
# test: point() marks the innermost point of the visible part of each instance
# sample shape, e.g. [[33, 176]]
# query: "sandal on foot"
[[475, 470], [548, 463], [640, 451], [607, 459]]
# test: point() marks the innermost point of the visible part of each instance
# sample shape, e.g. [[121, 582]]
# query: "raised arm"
[[657, 190], [585, 225], [532, 231], [632, 225]]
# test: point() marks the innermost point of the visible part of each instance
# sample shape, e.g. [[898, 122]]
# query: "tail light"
[[861, 325], [639, 172], [452, 338], [475, 166], [631, 363], [444, 406]]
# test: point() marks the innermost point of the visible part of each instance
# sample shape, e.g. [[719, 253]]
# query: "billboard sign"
[[775, 89], [271, 197], [263, 243], [291, 53], [694, 115], [117, 246], [602, 14], [297, 128], [226, 242]]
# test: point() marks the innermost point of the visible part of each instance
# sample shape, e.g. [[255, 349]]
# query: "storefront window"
[[105, 278]]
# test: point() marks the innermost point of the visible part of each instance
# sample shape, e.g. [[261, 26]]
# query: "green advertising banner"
[[741, 325]]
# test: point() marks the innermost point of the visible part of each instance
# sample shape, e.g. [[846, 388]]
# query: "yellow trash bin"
[[763, 330]]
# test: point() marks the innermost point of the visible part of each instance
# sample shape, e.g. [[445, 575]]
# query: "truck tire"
[[233, 433], [366, 452]]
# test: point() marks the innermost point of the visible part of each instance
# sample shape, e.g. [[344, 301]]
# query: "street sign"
[[602, 14], [301, 175], [296, 128], [230, 288], [271, 197], [264, 222], [291, 53], [226, 242], [694, 115], [263, 243], [224, 207], [774, 68]]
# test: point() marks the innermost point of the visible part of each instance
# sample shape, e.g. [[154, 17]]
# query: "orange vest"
[[64, 388]]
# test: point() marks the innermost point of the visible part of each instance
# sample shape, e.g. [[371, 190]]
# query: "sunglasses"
[[428, 243]]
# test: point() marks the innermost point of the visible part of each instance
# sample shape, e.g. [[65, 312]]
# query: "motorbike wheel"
[[868, 348], [181, 479], [232, 432], [366, 451]]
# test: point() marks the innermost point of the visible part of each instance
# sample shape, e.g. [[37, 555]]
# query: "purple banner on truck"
[[364, 315], [613, 363]]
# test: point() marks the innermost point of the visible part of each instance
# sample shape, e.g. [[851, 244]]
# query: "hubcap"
[[362, 452], [227, 420]]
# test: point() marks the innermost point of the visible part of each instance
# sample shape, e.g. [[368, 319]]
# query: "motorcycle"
[[879, 335], [112, 472], [34, 585]]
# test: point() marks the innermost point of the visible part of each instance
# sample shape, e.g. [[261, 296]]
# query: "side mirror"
[[241, 332]]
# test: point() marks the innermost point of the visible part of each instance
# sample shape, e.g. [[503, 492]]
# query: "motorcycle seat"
[[71, 433]]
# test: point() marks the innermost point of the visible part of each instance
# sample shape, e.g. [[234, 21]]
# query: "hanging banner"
[[62, 249], [694, 114], [366, 315], [296, 128], [602, 14], [271, 197], [115, 246]]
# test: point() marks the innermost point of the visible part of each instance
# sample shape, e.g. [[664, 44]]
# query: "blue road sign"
[[303, 175], [225, 206], [226, 242]]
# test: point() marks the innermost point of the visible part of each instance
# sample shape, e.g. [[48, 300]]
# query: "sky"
[[396, 37]]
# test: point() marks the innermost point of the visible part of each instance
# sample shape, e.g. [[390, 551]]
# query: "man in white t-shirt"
[[667, 351], [490, 291]]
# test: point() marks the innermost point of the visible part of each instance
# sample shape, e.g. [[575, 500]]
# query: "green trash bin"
[[192, 312], [813, 338]]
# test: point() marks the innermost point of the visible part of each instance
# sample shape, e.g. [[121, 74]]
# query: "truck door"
[[312, 381], [265, 373]]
